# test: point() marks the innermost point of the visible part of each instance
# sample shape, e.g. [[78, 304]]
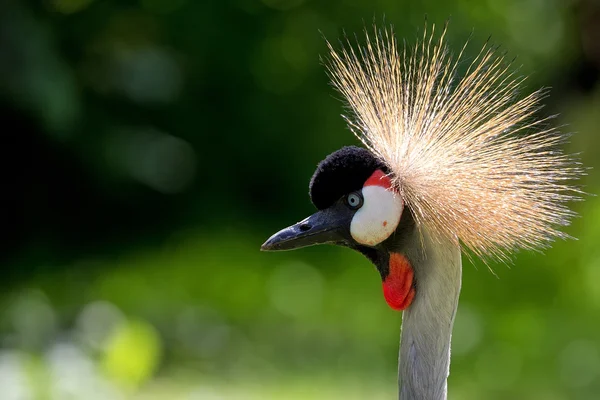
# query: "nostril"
[[305, 227]]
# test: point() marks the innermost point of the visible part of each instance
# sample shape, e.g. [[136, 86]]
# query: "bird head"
[[358, 207], [451, 158]]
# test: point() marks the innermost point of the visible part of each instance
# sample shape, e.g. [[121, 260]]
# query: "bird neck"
[[427, 324]]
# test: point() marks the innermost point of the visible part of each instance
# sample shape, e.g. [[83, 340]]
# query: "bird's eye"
[[354, 200]]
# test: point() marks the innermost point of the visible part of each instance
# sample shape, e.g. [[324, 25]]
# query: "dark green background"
[[151, 146]]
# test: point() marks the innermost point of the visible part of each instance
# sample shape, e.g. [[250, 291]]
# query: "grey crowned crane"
[[451, 164]]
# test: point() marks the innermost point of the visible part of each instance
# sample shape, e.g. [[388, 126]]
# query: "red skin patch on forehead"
[[379, 178], [398, 288]]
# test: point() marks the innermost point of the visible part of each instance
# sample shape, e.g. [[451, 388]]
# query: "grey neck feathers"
[[424, 363]]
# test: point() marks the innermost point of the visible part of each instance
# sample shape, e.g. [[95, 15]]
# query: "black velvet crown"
[[340, 173]]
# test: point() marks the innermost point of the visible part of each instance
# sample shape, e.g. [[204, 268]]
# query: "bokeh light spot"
[[132, 353], [535, 25], [33, 319], [147, 74], [96, 323], [164, 162], [13, 380], [73, 375]]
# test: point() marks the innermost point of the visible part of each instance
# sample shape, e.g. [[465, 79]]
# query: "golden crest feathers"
[[471, 160]]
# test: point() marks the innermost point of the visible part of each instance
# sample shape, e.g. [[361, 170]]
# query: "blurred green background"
[[151, 146]]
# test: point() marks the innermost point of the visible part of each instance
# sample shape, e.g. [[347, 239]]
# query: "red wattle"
[[398, 288]]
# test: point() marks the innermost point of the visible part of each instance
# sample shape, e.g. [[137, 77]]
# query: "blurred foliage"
[[153, 145]]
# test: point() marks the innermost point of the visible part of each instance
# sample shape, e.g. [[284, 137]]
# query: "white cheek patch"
[[378, 217]]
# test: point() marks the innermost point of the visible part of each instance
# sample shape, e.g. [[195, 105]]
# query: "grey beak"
[[325, 226]]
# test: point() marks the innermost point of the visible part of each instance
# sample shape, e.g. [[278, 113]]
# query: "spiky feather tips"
[[470, 159]]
